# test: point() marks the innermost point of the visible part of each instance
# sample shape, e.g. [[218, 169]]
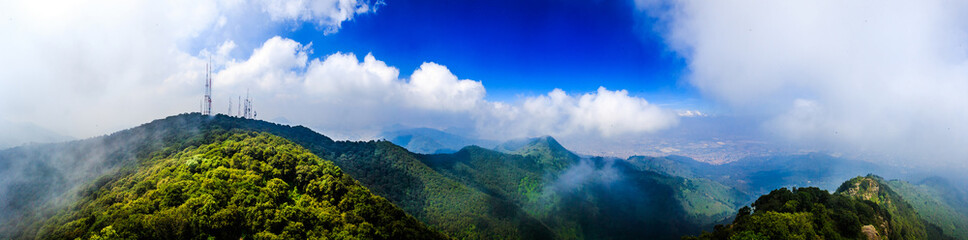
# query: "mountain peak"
[[867, 188], [545, 149], [901, 214], [516, 145]]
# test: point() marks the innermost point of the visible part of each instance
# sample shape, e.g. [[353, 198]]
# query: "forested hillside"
[[590, 198], [862, 208], [244, 185], [938, 203], [386, 169], [482, 194], [38, 179], [531, 189]]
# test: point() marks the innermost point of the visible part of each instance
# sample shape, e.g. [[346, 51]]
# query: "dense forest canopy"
[[862, 208], [242, 186]]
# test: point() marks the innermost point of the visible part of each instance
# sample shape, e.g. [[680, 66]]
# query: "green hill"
[[393, 172], [591, 198], [539, 190], [938, 203], [385, 169], [243, 185], [548, 152], [904, 221], [862, 208]]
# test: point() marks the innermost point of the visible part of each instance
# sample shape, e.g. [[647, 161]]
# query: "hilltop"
[[861, 208], [240, 185]]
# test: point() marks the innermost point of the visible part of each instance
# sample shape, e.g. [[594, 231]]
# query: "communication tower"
[[207, 101]]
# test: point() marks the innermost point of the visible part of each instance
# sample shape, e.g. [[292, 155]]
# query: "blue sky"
[[516, 48]]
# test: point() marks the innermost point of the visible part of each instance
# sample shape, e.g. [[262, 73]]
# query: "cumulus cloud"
[[344, 96], [110, 65], [326, 14], [606, 112], [115, 64], [886, 77], [267, 67]]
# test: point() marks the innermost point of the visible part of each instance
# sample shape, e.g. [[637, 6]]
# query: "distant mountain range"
[[429, 140], [762, 174], [708, 139], [16, 134], [522, 189]]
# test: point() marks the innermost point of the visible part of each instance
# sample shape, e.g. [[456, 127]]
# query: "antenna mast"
[[247, 106], [207, 108]]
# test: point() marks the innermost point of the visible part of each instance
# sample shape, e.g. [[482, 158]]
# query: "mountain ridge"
[[237, 185], [862, 208]]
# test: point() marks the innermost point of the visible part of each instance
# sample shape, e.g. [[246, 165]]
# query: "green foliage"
[[629, 204], [774, 225], [243, 185], [706, 201], [391, 171], [548, 153], [812, 213], [477, 194], [903, 221], [931, 204], [386, 169]]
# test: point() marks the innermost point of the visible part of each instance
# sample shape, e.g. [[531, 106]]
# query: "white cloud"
[[604, 112], [350, 98], [343, 75], [268, 67], [115, 64], [691, 113], [434, 87], [879, 76], [111, 64], [326, 14]]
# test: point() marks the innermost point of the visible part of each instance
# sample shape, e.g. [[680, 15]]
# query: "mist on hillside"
[[37, 179]]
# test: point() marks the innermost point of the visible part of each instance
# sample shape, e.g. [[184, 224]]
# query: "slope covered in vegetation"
[[862, 208], [247, 186], [938, 203], [592, 198], [537, 191], [386, 169]]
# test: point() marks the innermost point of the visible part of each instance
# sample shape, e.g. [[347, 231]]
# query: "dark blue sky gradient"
[[516, 48]]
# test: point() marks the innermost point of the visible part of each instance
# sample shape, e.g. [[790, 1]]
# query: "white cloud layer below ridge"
[[357, 99], [887, 77]]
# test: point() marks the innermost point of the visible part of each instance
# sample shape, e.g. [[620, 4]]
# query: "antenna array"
[[207, 102]]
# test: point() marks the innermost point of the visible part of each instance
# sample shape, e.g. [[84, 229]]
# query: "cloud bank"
[[342, 95], [887, 77], [90, 68]]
